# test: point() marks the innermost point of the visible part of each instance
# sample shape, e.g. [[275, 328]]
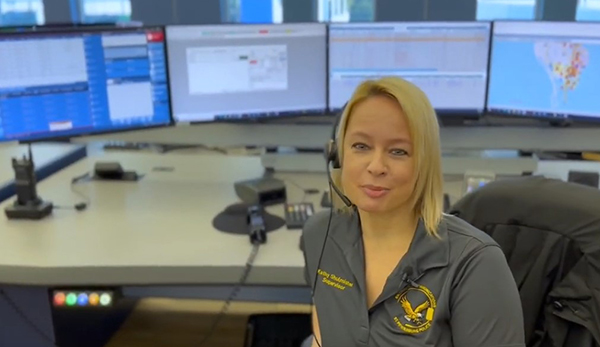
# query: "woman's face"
[[378, 163]]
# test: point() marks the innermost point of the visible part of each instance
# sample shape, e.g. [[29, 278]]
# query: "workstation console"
[[164, 234], [59, 84]]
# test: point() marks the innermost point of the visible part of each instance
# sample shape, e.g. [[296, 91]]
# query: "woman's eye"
[[398, 152], [360, 146]]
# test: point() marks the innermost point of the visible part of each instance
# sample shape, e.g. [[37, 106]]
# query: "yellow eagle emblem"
[[414, 316], [416, 319]]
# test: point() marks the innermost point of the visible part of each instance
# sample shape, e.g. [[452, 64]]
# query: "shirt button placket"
[[363, 336]]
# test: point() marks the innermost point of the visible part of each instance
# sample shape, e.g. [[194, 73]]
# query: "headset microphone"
[[337, 191], [333, 158], [342, 196]]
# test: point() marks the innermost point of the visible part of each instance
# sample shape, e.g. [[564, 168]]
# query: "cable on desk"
[[80, 206], [32, 325], [234, 292], [77, 180]]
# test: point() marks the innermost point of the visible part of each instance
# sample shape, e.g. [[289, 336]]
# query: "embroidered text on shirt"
[[334, 281]]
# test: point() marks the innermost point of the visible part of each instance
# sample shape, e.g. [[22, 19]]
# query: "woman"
[[392, 269]]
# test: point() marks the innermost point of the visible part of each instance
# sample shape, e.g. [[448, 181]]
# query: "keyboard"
[[297, 214]]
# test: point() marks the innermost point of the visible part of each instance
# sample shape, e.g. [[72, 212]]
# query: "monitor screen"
[[65, 84], [545, 69], [448, 61], [230, 72]]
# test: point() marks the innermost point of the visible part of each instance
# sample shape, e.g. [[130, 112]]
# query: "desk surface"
[[155, 231]]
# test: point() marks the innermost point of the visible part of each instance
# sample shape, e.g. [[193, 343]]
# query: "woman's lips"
[[374, 192]]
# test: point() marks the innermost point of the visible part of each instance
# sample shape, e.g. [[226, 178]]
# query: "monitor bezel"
[[442, 113], [75, 31], [262, 117], [566, 119]]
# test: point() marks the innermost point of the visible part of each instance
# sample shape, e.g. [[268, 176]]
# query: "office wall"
[[165, 12], [157, 12], [405, 10], [295, 11], [419, 10], [556, 10], [150, 12], [57, 11], [154, 12], [454, 10], [196, 11]]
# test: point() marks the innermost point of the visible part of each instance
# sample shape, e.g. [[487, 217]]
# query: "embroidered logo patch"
[[418, 304]]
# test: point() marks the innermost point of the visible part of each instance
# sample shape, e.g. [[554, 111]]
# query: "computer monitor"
[[545, 70], [247, 71], [447, 60], [82, 82]]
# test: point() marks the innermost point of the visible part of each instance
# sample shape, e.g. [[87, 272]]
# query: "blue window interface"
[[545, 70], [75, 83]]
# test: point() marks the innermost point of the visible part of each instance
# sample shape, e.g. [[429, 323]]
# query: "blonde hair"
[[427, 198]]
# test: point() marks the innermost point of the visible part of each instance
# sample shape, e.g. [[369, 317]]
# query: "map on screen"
[[545, 70], [565, 63]]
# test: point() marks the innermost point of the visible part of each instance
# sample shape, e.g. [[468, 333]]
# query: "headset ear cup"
[[335, 159], [332, 150], [331, 154]]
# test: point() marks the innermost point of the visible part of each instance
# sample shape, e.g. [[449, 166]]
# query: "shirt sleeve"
[[485, 305]]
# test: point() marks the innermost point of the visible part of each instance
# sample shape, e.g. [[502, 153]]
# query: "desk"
[[155, 231], [146, 235], [48, 159], [153, 237]]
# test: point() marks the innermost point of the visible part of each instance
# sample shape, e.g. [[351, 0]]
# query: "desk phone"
[[297, 214]]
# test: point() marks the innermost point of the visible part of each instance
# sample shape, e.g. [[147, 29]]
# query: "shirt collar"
[[425, 251]]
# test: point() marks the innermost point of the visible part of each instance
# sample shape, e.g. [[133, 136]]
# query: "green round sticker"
[[71, 299]]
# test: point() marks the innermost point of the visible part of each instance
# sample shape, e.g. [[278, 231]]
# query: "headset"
[[332, 158]]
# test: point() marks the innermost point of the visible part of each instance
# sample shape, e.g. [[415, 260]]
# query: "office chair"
[[549, 231]]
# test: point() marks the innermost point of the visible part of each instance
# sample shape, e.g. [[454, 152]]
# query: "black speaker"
[[113, 171]]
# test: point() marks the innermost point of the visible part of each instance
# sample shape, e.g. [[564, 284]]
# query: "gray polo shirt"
[[457, 291]]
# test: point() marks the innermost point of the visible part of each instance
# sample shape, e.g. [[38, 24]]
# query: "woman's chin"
[[371, 206]]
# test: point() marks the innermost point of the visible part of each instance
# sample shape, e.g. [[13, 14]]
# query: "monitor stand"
[[28, 204]]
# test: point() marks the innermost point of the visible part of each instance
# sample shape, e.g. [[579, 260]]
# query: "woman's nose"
[[377, 165]]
